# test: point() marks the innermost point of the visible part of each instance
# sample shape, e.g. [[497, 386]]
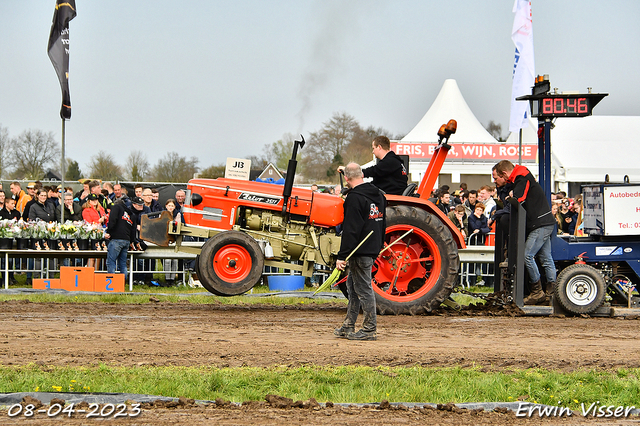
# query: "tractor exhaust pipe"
[[291, 173]]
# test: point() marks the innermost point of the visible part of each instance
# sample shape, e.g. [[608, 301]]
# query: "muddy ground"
[[231, 336]]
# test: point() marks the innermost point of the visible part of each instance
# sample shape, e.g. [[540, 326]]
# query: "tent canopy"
[[449, 104]]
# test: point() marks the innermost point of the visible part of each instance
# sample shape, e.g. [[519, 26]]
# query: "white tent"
[[449, 104]]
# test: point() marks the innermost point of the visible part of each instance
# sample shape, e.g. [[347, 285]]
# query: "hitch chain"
[[502, 298]]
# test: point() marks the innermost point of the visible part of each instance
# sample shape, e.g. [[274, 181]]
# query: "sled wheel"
[[580, 289], [419, 271], [230, 263]]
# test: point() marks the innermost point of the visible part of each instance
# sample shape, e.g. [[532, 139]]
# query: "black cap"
[[92, 197], [137, 200]]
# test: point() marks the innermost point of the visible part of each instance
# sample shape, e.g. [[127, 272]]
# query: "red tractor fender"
[[429, 207]]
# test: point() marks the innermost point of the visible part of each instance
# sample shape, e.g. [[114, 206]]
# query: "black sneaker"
[[343, 331], [362, 335]]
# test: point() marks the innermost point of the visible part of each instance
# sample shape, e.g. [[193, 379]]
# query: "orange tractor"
[[250, 225]]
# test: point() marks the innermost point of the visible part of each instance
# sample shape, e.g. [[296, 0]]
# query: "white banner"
[[523, 66]]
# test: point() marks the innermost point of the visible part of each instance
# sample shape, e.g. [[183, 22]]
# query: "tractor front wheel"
[[418, 272], [230, 263]]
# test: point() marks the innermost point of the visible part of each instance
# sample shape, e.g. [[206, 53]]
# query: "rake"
[[336, 272]]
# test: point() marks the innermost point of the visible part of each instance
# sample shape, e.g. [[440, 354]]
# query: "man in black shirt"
[[389, 174], [120, 233], [364, 211]]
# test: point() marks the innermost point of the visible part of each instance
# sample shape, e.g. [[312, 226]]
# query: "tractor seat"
[[410, 190]]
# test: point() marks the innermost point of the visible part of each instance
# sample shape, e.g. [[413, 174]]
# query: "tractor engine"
[[288, 240]]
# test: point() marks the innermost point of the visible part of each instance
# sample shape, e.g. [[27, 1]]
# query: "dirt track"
[[223, 336]]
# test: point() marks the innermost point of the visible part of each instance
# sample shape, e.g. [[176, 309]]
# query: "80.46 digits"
[[564, 106], [94, 410]]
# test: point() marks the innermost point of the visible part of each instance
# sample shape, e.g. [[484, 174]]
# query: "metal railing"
[[47, 263]]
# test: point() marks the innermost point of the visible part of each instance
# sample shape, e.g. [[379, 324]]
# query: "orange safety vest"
[[22, 201]]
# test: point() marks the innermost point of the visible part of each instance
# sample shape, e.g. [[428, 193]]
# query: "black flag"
[[59, 49]]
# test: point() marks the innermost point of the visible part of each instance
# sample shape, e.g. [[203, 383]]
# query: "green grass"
[[175, 294], [337, 384]]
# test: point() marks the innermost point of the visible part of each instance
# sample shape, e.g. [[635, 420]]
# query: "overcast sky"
[[217, 79]]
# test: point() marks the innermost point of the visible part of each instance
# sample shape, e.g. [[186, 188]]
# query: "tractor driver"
[[389, 174], [364, 210], [540, 225]]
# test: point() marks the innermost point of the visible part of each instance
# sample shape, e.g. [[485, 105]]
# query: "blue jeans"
[[360, 294], [539, 243], [117, 251]]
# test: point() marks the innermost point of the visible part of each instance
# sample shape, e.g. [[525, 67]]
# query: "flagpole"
[[519, 148], [64, 171]]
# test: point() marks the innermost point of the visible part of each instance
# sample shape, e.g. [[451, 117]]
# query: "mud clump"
[[277, 401], [27, 400]]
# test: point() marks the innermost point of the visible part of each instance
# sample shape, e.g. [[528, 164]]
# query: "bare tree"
[[103, 166], [33, 151], [495, 130], [213, 172], [359, 148], [326, 148], [279, 152], [175, 168], [136, 167]]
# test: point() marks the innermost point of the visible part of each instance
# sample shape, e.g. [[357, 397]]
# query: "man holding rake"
[[364, 210]]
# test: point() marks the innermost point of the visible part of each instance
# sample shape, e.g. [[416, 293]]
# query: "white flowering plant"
[[8, 228]]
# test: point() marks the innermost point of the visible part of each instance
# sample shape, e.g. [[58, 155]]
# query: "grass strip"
[[338, 384], [141, 295]]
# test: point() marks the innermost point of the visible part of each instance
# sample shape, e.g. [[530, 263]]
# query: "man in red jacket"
[[540, 225]]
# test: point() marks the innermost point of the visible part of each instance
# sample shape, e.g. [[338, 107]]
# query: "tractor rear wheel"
[[230, 263], [419, 271], [580, 288]]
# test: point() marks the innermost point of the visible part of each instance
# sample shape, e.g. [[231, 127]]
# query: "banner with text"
[[468, 151]]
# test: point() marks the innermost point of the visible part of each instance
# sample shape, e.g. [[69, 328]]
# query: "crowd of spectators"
[[91, 204]]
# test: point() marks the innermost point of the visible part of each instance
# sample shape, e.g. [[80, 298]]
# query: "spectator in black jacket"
[[147, 197], [364, 211], [478, 227], [389, 174], [9, 210], [72, 209], [443, 202], [41, 209]]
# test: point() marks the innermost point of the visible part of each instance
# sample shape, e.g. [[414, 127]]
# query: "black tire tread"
[[209, 278], [450, 260]]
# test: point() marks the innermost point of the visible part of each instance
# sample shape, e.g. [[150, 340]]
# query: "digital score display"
[[562, 106], [545, 105]]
